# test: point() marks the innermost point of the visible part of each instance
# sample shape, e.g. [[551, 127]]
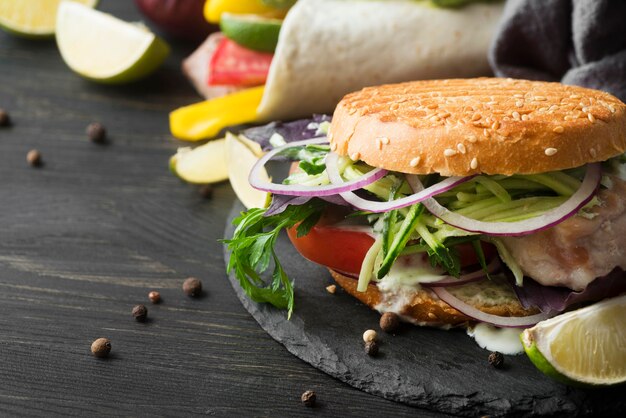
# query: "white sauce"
[[504, 340]]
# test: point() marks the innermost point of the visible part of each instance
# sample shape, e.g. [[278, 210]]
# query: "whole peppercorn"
[[4, 118], [34, 158], [371, 348], [206, 191], [192, 287], [496, 359], [308, 398], [96, 132], [370, 335], [140, 312], [389, 322], [154, 296], [101, 347]]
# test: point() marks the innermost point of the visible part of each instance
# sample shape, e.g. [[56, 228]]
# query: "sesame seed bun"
[[423, 307], [460, 127]]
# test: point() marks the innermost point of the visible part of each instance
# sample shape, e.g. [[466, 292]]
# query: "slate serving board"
[[428, 368]]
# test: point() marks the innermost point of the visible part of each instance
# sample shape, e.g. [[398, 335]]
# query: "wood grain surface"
[[86, 237]]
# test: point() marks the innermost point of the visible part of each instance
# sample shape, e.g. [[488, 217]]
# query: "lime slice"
[[241, 159], [32, 18], [203, 164], [105, 49], [586, 346], [251, 31]]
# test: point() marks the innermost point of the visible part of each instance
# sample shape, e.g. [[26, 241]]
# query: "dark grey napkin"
[[580, 42]]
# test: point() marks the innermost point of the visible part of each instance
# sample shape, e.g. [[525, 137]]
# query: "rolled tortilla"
[[328, 48]]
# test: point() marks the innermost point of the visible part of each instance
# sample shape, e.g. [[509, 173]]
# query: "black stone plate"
[[438, 370]]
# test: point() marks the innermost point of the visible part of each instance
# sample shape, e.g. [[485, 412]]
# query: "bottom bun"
[[423, 307]]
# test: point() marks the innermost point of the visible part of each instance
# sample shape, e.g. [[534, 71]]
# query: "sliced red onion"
[[474, 276], [550, 218], [377, 207], [477, 314], [300, 190]]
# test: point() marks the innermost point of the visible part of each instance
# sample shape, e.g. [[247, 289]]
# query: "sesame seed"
[[474, 164], [476, 116], [384, 140], [611, 108], [415, 161], [574, 96], [559, 129], [495, 125], [492, 103], [525, 117], [333, 146], [585, 109], [432, 106], [449, 152], [516, 115], [461, 148], [540, 98], [435, 118], [519, 103], [592, 152], [472, 138], [444, 115], [591, 117], [394, 106], [518, 96], [550, 151], [356, 156], [486, 132]]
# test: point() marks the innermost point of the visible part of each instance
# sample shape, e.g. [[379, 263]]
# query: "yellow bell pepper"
[[213, 9], [205, 119]]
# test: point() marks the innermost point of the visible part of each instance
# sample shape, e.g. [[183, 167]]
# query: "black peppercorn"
[[192, 287], [206, 191], [154, 296], [496, 359], [389, 322], [34, 158], [101, 347], [371, 348], [4, 118], [96, 132], [308, 398], [140, 312]]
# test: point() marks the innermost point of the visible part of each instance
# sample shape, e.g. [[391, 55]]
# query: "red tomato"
[[235, 65], [344, 250]]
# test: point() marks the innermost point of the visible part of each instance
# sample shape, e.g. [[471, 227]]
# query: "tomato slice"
[[344, 249], [234, 65]]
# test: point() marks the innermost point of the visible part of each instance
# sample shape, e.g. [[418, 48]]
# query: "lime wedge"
[[251, 31], [32, 18], [203, 164], [105, 49], [586, 346], [241, 159]]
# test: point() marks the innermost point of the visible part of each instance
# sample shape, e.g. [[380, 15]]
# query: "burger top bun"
[[460, 127]]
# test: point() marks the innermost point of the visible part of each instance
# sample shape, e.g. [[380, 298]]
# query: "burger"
[[450, 202]]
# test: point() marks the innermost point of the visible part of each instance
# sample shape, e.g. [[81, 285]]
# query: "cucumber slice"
[[400, 239]]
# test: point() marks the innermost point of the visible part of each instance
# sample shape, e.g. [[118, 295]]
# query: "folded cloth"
[[581, 42]]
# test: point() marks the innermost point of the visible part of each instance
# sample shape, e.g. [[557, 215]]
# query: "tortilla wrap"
[[328, 48]]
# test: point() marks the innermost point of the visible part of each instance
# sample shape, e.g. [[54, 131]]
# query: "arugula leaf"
[[252, 250]]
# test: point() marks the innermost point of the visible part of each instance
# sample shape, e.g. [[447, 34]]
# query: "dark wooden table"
[[85, 237]]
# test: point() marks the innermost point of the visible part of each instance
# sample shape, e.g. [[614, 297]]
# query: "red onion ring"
[[466, 278], [297, 190], [569, 208], [377, 207], [477, 314]]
